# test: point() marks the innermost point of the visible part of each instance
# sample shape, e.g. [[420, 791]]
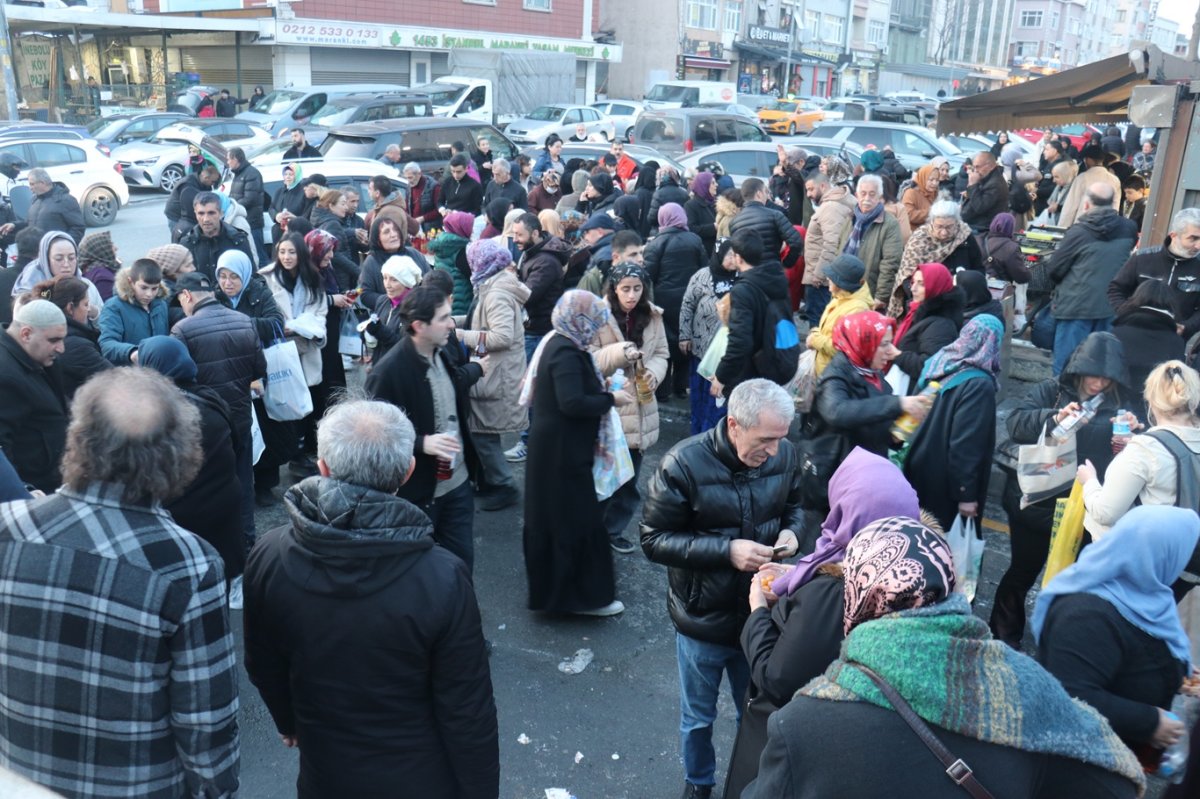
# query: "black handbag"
[[819, 456]]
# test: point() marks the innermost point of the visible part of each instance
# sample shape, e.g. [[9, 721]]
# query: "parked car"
[[121, 129], [188, 100], [27, 128], [425, 140], [743, 111], [594, 152], [623, 114], [162, 159], [975, 142], [790, 116], [912, 98], [534, 127], [283, 109], [1078, 134], [676, 131], [366, 107], [743, 160], [93, 178], [913, 145]]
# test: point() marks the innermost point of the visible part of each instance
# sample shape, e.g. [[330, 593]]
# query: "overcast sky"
[[1182, 11]]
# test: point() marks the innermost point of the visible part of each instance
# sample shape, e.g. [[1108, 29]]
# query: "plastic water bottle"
[[1175, 760], [1067, 426], [617, 381], [1121, 424]]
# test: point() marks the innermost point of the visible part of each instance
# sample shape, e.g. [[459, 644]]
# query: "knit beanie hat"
[[171, 258], [402, 269]]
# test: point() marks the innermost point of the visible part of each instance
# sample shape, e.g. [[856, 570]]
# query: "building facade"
[[1052, 35]]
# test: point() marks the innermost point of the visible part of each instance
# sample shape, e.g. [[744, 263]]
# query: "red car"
[[1078, 134]]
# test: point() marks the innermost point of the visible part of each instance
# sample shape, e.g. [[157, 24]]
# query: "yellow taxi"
[[790, 116]]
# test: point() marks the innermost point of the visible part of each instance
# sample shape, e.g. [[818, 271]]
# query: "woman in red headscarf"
[[935, 315], [853, 406]]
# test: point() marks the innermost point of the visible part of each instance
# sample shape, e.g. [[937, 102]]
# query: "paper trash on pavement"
[[576, 663]]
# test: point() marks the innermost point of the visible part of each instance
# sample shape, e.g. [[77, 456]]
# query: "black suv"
[[365, 107], [426, 140]]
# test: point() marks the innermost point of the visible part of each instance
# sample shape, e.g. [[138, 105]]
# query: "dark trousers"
[[281, 442], [619, 509], [243, 455], [1030, 537], [256, 235], [815, 300], [453, 517]]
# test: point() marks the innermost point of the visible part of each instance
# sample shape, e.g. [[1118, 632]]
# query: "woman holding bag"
[[698, 326], [568, 563], [633, 339], [1096, 367]]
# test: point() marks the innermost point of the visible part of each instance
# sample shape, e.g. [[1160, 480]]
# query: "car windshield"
[[546, 113], [789, 106], [106, 128], [666, 93], [277, 102], [441, 93], [334, 114], [348, 147], [273, 146], [953, 148]]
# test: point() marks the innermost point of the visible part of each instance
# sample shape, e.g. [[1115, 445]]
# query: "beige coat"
[[1072, 207], [640, 422], [497, 320], [309, 349], [821, 237]]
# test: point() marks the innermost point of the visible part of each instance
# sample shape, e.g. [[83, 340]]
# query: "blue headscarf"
[[237, 262], [1132, 568], [169, 357]]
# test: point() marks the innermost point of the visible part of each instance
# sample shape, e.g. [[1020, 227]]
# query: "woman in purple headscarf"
[[701, 209], [793, 642], [670, 259]]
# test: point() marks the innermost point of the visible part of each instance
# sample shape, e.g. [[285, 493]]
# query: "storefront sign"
[[35, 55], [704, 49], [759, 34], [331, 33]]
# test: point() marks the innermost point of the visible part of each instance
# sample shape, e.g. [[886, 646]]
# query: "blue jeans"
[[815, 300], [531, 344], [256, 236], [453, 517], [1070, 333], [700, 668]]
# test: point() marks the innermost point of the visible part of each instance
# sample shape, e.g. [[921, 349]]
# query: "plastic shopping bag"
[[1044, 469], [285, 396], [966, 545], [612, 467], [803, 387], [349, 339], [707, 367], [1066, 536], [256, 437]]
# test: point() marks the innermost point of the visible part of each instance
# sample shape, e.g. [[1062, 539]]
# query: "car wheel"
[[170, 177], [100, 207], [791, 128], [629, 134]]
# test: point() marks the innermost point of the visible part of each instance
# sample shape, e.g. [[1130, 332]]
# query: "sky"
[[1182, 11]]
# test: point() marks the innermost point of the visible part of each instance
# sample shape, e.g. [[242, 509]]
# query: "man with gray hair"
[[1175, 262], [873, 235], [424, 197], [363, 637], [118, 675], [33, 415], [720, 505], [1084, 263], [392, 156], [503, 187], [53, 207]]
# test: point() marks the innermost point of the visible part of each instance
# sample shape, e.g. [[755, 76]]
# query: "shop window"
[[702, 14], [537, 5]]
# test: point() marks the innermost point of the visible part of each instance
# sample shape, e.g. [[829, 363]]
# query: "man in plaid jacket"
[[117, 667]]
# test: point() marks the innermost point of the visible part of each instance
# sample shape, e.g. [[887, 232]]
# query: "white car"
[[162, 159], [93, 178], [750, 159], [534, 127], [623, 114]]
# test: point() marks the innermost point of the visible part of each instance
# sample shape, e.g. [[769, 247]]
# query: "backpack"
[[1187, 495], [778, 356]]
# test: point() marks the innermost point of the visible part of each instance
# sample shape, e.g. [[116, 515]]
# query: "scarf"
[[671, 215], [168, 356], [97, 248], [300, 297], [460, 223], [237, 262], [320, 243], [861, 221], [938, 281], [702, 188], [922, 178], [1139, 587], [864, 489], [974, 354], [577, 316], [487, 257], [922, 248], [858, 336]]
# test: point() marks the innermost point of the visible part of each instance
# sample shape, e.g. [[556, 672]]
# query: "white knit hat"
[[403, 269]]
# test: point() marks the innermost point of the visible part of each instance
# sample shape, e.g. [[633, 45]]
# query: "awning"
[[1096, 93], [704, 62], [776, 54]]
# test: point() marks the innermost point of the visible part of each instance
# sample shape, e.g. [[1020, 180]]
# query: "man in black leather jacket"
[[769, 221], [720, 505]]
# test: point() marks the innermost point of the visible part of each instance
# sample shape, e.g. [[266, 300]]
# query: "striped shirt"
[[117, 666]]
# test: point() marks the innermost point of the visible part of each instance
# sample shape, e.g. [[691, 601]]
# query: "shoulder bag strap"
[[956, 769], [1186, 494]]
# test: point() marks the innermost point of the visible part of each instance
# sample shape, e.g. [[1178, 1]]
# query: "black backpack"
[[778, 356]]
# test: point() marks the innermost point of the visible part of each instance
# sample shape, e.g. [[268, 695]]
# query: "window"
[[47, 154], [812, 24], [740, 162], [876, 32], [834, 27], [1027, 49], [705, 134], [702, 14], [591, 115], [733, 16], [572, 117], [622, 111], [749, 132], [1073, 27], [537, 5], [500, 145], [1121, 14], [1031, 19], [1054, 20], [880, 137]]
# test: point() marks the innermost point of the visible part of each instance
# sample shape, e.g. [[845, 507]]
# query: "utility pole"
[[1195, 40], [6, 62]]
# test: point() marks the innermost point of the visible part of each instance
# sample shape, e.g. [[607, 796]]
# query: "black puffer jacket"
[[81, 357], [1159, 263], [935, 324], [671, 258], [750, 300], [701, 497], [541, 269], [205, 250], [702, 220], [33, 416], [773, 228], [668, 192], [965, 256], [247, 189], [178, 210], [846, 404], [57, 210], [345, 267], [365, 642], [228, 353], [258, 303]]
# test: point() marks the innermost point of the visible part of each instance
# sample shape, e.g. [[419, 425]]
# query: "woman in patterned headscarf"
[[568, 562], [998, 711]]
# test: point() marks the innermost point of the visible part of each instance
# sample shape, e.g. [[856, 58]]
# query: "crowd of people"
[[555, 307]]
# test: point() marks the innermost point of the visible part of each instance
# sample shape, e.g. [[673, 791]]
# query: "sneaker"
[[621, 544], [517, 454], [611, 609], [500, 498], [235, 593], [696, 791]]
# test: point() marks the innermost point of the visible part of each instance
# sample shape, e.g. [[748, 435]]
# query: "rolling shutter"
[[216, 66], [347, 65]]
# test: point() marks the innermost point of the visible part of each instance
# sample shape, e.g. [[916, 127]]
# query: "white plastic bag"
[[258, 445], [285, 396], [349, 341], [966, 545], [1046, 468], [899, 380], [611, 468]]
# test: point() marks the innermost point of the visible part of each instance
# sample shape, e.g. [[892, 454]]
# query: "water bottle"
[[1173, 765], [1067, 426], [617, 381], [906, 424], [1121, 424]]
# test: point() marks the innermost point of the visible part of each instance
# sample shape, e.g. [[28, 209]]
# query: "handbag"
[[803, 386], [349, 339], [1044, 469], [611, 467], [966, 545], [1043, 327], [956, 769], [818, 458], [1066, 536], [285, 396]]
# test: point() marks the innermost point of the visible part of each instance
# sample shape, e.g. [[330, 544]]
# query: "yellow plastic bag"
[[1066, 536]]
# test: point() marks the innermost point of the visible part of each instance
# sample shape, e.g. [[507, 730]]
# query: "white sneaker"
[[235, 593], [517, 454], [611, 609]]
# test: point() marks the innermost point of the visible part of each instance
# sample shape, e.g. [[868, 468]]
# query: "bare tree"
[[944, 25]]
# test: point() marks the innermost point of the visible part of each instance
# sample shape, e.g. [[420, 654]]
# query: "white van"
[[293, 106], [690, 94]]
